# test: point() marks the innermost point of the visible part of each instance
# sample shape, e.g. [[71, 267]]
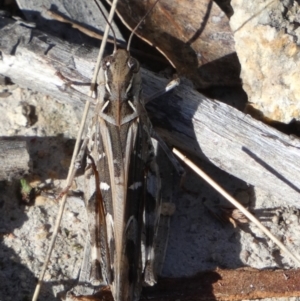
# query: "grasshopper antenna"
[[109, 24], [138, 25]]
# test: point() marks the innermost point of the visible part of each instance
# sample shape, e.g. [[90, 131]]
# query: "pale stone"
[[41, 200], [267, 44]]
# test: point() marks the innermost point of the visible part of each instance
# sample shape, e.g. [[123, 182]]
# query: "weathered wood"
[[84, 13], [228, 285], [14, 159], [233, 141]]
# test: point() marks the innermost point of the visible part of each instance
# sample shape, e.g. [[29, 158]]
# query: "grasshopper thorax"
[[121, 78]]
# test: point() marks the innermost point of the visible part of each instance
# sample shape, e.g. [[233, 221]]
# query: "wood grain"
[[233, 141], [228, 285]]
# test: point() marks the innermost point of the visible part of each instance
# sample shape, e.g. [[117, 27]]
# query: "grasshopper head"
[[122, 85], [120, 69]]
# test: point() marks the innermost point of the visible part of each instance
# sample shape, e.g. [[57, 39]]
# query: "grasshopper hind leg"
[[96, 227]]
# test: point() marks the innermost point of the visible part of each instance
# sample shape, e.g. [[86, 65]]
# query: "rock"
[[267, 44]]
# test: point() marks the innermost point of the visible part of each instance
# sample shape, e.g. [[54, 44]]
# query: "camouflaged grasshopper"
[[122, 181], [123, 185]]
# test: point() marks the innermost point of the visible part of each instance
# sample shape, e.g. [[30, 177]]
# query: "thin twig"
[[226, 195]]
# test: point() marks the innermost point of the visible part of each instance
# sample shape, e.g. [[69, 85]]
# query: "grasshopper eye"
[[133, 64]]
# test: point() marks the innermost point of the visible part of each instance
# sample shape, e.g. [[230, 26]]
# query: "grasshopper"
[[122, 181]]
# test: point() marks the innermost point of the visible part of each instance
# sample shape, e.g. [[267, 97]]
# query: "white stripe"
[[129, 86], [105, 105], [101, 156], [132, 106], [110, 226], [106, 82], [104, 186]]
